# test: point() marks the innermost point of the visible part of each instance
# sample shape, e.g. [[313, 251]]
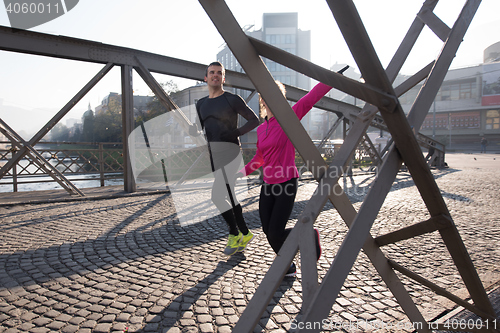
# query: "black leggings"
[[275, 207], [226, 163]]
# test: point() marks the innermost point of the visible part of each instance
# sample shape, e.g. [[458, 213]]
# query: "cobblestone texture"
[[109, 265]]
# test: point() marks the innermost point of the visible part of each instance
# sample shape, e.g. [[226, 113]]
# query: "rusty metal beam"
[[128, 122], [433, 224], [349, 86], [51, 123]]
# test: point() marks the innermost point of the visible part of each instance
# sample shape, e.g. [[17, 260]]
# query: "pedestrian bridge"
[[319, 289]]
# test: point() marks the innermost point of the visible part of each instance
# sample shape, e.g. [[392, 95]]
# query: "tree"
[[88, 127], [155, 107], [108, 123], [77, 134], [59, 133]]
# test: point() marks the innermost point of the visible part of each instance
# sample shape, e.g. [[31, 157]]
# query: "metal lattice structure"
[[77, 159], [144, 63], [110, 56], [382, 98]]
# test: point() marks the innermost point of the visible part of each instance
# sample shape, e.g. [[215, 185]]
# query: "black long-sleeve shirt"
[[219, 117]]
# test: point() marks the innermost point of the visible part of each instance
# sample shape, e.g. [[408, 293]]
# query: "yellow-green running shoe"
[[245, 239], [233, 244]]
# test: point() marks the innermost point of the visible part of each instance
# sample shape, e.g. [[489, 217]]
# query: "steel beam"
[[128, 122], [29, 42], [44, 130], [441, 291], [38, 159], [450, 236], [165, 99], [435, 24], [433, 224], [430, 194], [349, 86]]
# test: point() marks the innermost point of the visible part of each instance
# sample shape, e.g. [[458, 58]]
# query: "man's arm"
[[244, 110], [197, 126]]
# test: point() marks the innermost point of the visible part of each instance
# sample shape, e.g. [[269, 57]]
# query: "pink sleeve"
[[256, 162], [306, 103]]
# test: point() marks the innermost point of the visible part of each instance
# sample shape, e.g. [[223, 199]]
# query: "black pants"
[[226, 161], [275, 207]]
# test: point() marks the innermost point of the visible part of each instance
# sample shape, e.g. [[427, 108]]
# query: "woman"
[[276, 154]]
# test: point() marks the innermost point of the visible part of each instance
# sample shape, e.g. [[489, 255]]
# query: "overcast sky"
[[182, 29]]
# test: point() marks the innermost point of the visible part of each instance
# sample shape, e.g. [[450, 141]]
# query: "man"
[[218, 114], [484, 142]]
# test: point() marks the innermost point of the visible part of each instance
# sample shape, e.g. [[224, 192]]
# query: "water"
[[89, 181], [48, 183]]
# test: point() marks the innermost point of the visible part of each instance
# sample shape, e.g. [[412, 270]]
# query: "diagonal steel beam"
[[417, 229], [305, 220], [165, 100], [441, 291], [376, 265], [44, 130], [435, 24], [364, 53], [408, 42], [352, 87], [359, 43], [450, 236], [39, 160], [265, 84]]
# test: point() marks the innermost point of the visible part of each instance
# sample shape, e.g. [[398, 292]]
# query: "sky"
[[33, 88]]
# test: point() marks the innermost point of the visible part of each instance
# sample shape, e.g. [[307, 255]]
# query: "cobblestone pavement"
[[109, 265]]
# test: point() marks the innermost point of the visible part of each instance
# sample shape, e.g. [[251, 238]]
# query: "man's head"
[[215, 63], [215, 74]]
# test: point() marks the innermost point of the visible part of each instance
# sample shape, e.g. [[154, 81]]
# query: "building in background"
[[280, 30], [186, 100], [467, 106]]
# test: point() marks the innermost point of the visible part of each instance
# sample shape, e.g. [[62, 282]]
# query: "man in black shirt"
[[218, 114]]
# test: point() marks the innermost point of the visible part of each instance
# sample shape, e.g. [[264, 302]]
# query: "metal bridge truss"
[[143, 63], [378, 92]]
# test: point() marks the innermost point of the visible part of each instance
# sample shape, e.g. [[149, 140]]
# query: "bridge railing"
[[102, 162], [97, 161], [80, 161]]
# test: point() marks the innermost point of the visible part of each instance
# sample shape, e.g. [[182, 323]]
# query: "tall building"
[[280, 30]]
